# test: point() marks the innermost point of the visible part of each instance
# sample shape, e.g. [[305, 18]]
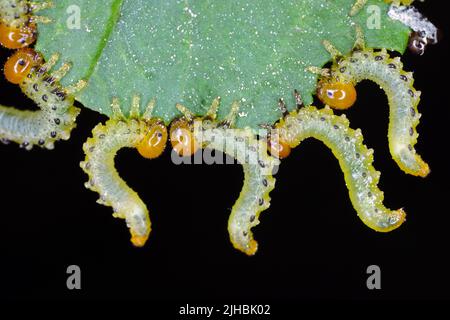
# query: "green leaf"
[[190, 52]]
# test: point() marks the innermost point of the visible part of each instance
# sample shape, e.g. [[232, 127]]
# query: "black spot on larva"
[[410, 147], [392, 66], [54, 108], [343, 69], [265, 183], [41, 142], [378, 58], [336, 126], [353, 60], [261, 201], [411, 93], [403, 77], [322, 118], [376, 210], [53, 134], [413, 112], [102, 136], [35, 87], [262, 164], [347, 138], [50, 80], [45, 98], [358, 155], [60, 94], [87, 165], [91, 149], [159, 134], [245, 233], [25, 144], [369, 194], [21, 62], [57, 121], [252, 218], [411, 132], [364, 174]]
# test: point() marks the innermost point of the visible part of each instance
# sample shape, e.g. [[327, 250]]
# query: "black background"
[[312, 244]]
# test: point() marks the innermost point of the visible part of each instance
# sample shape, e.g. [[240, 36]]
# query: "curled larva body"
[[258, 166], [380, 68], [56, 117], [354, 158], [104, 179]]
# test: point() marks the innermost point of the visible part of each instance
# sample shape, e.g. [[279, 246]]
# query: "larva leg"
[[354, 158], [258, 166], [387, 72], [56, 117], [359, 4], [101, 149]]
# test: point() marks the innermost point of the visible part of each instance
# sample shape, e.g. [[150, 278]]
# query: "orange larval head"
[[19, 65]]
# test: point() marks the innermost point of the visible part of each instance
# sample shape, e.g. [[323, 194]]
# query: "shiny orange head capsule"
[[154, 142], [278, 148], [337, 95], [19, 65], [16, 38], [182, 138]]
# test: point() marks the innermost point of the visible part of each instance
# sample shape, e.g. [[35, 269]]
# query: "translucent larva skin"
[[15, 13], [258, 166], [55, 119], [388, 73], [354, 158], [104, 179]]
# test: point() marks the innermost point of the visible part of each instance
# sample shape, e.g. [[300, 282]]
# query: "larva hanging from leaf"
[[56, 117], [17, 22], [142, 132], [354, 158], [387, 72], [188, 134], [251, 153]]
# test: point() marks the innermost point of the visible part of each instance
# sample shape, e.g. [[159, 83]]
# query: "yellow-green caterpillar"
[[117, 133], [242, 144], [387, 72], [57, 114], [354, 158], [258, 166]]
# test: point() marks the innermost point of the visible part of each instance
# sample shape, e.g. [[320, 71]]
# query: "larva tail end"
[[138, 241], [388, 223], [249, 249], [423, 169]]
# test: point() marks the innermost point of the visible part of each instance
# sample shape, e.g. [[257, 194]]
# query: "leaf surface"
[[192, 51]]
